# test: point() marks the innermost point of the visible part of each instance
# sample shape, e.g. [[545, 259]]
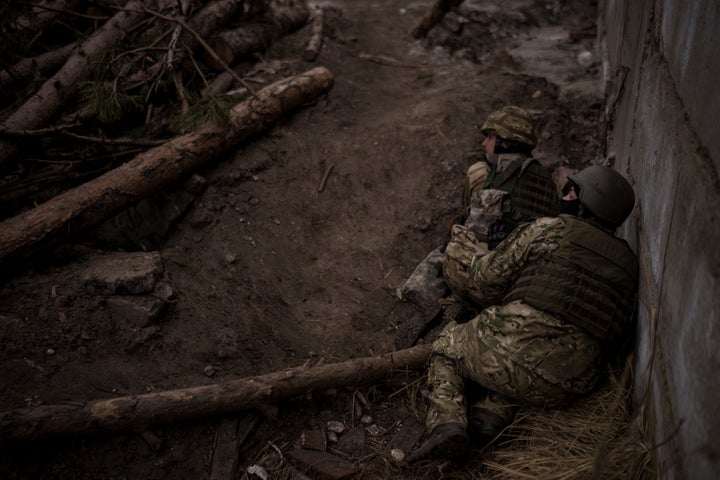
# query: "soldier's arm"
[[496, 271]]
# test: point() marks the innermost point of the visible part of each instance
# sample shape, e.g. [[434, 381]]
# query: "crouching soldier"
[[504, 187], [562, 292]]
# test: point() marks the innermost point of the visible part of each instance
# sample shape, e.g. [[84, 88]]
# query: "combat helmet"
[[511, 123], [605, 192]]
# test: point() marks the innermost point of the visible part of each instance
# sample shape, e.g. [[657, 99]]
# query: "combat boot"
[[484, 426], [448, 440]]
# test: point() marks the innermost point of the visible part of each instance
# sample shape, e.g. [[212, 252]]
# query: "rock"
[[209, 370], [123, 273], [366, 419], [397, 454], [140, 310], [585, 58], [164, 291], [373, 430], [258, 471], [335, 426]]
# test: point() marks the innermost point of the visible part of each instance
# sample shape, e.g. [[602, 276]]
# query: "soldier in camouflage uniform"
[[562, 291], [504, 187], [507, 187]]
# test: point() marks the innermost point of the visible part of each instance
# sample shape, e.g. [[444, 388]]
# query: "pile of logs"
[[135, 58]]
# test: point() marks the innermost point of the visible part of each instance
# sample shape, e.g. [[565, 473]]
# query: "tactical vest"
[[532, 190], [589, 281]]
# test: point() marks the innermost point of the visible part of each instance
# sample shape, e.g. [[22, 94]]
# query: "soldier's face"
[[569, 192], [489, 143]]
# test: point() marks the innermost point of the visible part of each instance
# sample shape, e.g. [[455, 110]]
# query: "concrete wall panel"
[[690, 33], [663, 58]]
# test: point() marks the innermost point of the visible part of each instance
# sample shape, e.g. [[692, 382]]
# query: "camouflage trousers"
[[459, 253], [460, 357]]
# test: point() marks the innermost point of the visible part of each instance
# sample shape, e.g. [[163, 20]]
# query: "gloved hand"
[[497, 232]]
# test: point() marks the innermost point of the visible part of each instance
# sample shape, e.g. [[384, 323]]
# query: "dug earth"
[[289, 250]]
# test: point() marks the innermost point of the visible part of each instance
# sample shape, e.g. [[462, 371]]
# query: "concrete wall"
[[662, 72]]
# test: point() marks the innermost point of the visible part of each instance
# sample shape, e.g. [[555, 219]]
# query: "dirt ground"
[[268, 272]]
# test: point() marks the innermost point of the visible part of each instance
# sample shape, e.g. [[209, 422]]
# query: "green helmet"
[[605, 192], [511, 123]]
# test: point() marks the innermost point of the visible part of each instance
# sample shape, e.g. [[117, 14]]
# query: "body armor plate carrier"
[[532, 190], [589, 281]]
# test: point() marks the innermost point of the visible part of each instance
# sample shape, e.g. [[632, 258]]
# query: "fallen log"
[[87, 205], [138, 412], [313, 47], [224, 80], [57, 90], [434, 16], [205, 22], [211, 17], [43, 14], [232, 45], [42, 64]]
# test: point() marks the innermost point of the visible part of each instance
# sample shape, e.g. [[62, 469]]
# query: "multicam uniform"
[[519, 351], [510, 187]]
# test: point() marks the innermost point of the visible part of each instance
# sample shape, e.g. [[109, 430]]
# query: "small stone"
[[373, 430], [397, 454], [332, 437], [585, 58], [366, 419], [537, 94], [230, 258], [335, 426], [50, 352], [257, 471], [209, 371], [164, 291]]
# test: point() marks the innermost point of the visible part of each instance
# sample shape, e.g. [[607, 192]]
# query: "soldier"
[[563, 292], [505, 187]]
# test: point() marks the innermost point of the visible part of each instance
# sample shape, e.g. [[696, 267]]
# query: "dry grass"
[[599, 437]]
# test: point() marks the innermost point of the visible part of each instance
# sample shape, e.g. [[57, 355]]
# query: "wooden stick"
[[313, 47], [321, 187], [138, 412]]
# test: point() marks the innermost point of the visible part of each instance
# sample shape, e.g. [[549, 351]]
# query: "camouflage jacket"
[[559, 352]]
